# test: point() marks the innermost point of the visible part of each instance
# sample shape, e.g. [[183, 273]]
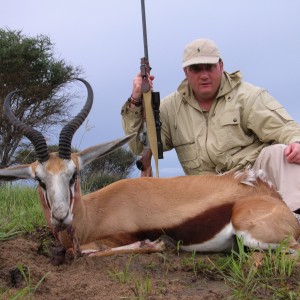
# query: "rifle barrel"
[[144, 30]]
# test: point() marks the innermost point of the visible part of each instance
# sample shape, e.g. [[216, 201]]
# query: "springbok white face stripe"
[[72, 196]]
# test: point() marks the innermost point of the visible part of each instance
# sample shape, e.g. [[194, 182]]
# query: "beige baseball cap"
[[200, 51]]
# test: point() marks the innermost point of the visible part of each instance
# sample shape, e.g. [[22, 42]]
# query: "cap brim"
[[201, 60]]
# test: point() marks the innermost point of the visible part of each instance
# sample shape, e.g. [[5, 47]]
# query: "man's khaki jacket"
[[242, 120]]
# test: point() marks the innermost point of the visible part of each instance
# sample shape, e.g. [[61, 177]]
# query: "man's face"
[[205, 80]]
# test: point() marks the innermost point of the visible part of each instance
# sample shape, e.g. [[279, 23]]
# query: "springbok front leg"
[[256, 222], [145, 246], [111, 246], [76, 249]]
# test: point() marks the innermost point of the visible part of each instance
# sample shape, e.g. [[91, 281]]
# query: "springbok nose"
[[60, 219]]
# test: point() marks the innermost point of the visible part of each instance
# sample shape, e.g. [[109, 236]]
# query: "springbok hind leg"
[[265, 223]]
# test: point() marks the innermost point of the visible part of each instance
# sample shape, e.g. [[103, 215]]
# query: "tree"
[[103, 171], [28, 64]]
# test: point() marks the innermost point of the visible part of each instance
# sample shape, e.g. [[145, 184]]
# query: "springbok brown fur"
[[202, 213]]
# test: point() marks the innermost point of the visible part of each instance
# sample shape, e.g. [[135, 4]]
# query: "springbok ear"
[[17, 172], [88, 155]]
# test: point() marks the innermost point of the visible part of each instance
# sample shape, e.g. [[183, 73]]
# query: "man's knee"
[[273, 150], [270, 157]]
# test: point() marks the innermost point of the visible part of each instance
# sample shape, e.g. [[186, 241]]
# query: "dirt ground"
[[143, 276]]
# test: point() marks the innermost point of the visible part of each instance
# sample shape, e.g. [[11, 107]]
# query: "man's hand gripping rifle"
[[151, 135]]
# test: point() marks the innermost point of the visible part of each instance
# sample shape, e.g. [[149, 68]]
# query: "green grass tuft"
[[21, 211]]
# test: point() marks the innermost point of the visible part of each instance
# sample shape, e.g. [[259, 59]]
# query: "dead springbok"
[[202, 212]]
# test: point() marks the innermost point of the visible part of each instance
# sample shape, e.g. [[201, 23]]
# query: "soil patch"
[[164, 275]]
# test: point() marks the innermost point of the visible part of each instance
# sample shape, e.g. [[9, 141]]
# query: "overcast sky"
[[258, 37]]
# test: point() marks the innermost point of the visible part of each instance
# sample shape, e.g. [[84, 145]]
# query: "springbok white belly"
[[223, 241]]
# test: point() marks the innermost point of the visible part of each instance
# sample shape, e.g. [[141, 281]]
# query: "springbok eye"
[[72, 180], [41, 183]]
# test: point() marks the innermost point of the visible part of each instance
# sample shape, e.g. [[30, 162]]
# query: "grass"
[[254, 274], [124, 275], [30, 288], [140, 286], [20, 211], [193, 262]]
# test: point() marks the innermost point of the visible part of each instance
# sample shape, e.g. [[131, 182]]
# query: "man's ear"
[[221, 65], [184, 70]]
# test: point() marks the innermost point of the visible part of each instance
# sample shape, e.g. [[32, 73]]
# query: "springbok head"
[[56, 173]]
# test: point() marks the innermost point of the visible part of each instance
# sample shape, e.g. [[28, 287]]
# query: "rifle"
[[151, 135]]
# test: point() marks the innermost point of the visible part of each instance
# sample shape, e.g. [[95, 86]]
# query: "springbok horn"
[[66, 134], [36, 138]]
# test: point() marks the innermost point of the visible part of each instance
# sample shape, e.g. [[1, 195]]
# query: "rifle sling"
[[151, 128]]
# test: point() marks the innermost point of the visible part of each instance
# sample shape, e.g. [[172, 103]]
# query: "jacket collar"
[[229, 82]]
